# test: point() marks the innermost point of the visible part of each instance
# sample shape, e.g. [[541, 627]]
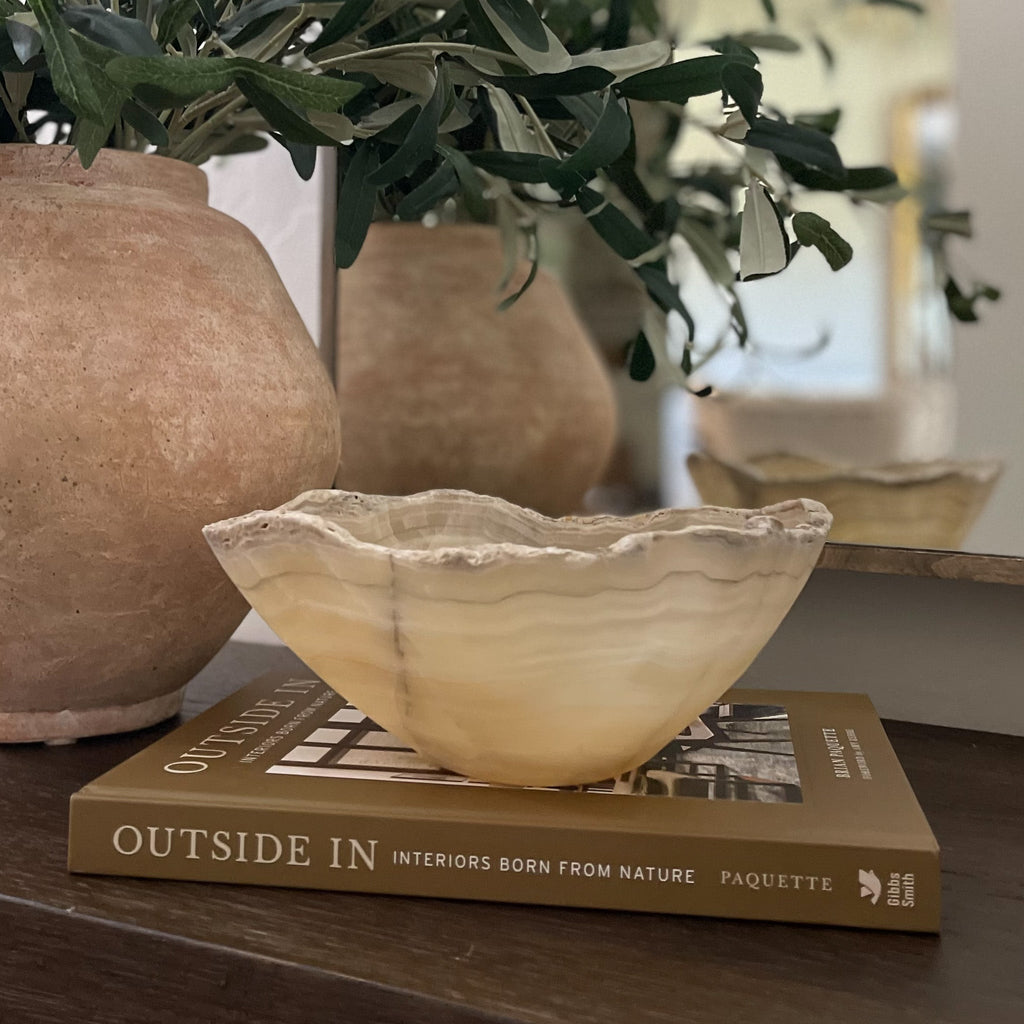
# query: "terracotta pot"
[[439, 389], [154, 377]]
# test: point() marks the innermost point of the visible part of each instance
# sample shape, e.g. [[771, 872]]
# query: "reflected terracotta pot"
[[154, 377], [439, 389]]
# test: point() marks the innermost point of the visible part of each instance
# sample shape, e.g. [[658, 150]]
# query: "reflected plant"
[[502, 104]]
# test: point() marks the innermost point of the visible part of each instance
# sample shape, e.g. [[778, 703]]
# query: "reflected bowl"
[[928, 504]]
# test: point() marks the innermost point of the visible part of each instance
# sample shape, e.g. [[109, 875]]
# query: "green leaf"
[[143, 121], [510, 126], [395, 132], [950, 222], [250, 13], [522, 30], [529, 168], [419, 141], [469, 183], [826, 121], [93, 133], [627, 61], [585, 108], [641, 360], [907, 5], [125, 35], [89, 138], [616, 31], [738, 321], [511, 300], [623, 174], [889, 194], [519, 18], [769, 9], [768, 41], [281, 115], [450, 22], [565, 83], [629, 241], [412, 73], [810, 229], [308, 91], [337, 126], [708, 249], [188, 78], [961, 305], [444, 182], [357, 198], [605, 144], [18, 85], [857, 179], [665, 292], [805, 145], [25, 40], [303, 156], [68, 68], [209, 13], [483, 33], [828, 57], [733, 49], [686, 363], [677, 82], [174, 17], [764, 248], [867, 179], [745, 85], [343, 22]]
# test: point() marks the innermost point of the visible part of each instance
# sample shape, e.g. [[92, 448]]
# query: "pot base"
[[71, 724]]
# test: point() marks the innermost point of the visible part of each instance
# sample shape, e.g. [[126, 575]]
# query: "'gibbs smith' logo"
[[870, 886]]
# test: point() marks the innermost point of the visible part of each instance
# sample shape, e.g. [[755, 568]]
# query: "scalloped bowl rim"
[[636, 532], [906, 474]]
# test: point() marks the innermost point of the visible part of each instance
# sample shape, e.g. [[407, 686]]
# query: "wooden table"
[[83, 950]]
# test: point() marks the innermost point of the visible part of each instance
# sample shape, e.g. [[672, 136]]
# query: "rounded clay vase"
[[438, 388], [154, 376]]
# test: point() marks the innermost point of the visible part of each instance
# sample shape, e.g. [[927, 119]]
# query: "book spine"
[[712, 876]]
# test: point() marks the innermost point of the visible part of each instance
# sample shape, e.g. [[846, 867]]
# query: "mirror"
[[864, 369], [936, 88]]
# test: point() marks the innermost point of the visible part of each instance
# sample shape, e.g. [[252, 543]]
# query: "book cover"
[[774, 805]]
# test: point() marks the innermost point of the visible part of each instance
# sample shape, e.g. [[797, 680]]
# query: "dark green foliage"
[[640, 359], [496, 105]]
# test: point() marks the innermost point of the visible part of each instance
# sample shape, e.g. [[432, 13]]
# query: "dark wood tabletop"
[[91, 950]]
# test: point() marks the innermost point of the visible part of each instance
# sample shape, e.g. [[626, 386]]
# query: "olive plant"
[[498, 104]]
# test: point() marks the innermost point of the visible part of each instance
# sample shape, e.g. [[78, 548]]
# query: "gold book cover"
[[773, 805]]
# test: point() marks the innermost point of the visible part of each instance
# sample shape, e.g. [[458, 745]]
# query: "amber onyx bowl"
[[511, 647]]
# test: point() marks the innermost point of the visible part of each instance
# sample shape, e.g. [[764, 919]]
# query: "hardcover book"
[[773, 805]]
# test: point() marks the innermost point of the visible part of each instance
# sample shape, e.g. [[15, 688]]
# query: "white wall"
[[990, 355], [285, 213]]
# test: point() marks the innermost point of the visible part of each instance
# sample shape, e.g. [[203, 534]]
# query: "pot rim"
[[37, 164]]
